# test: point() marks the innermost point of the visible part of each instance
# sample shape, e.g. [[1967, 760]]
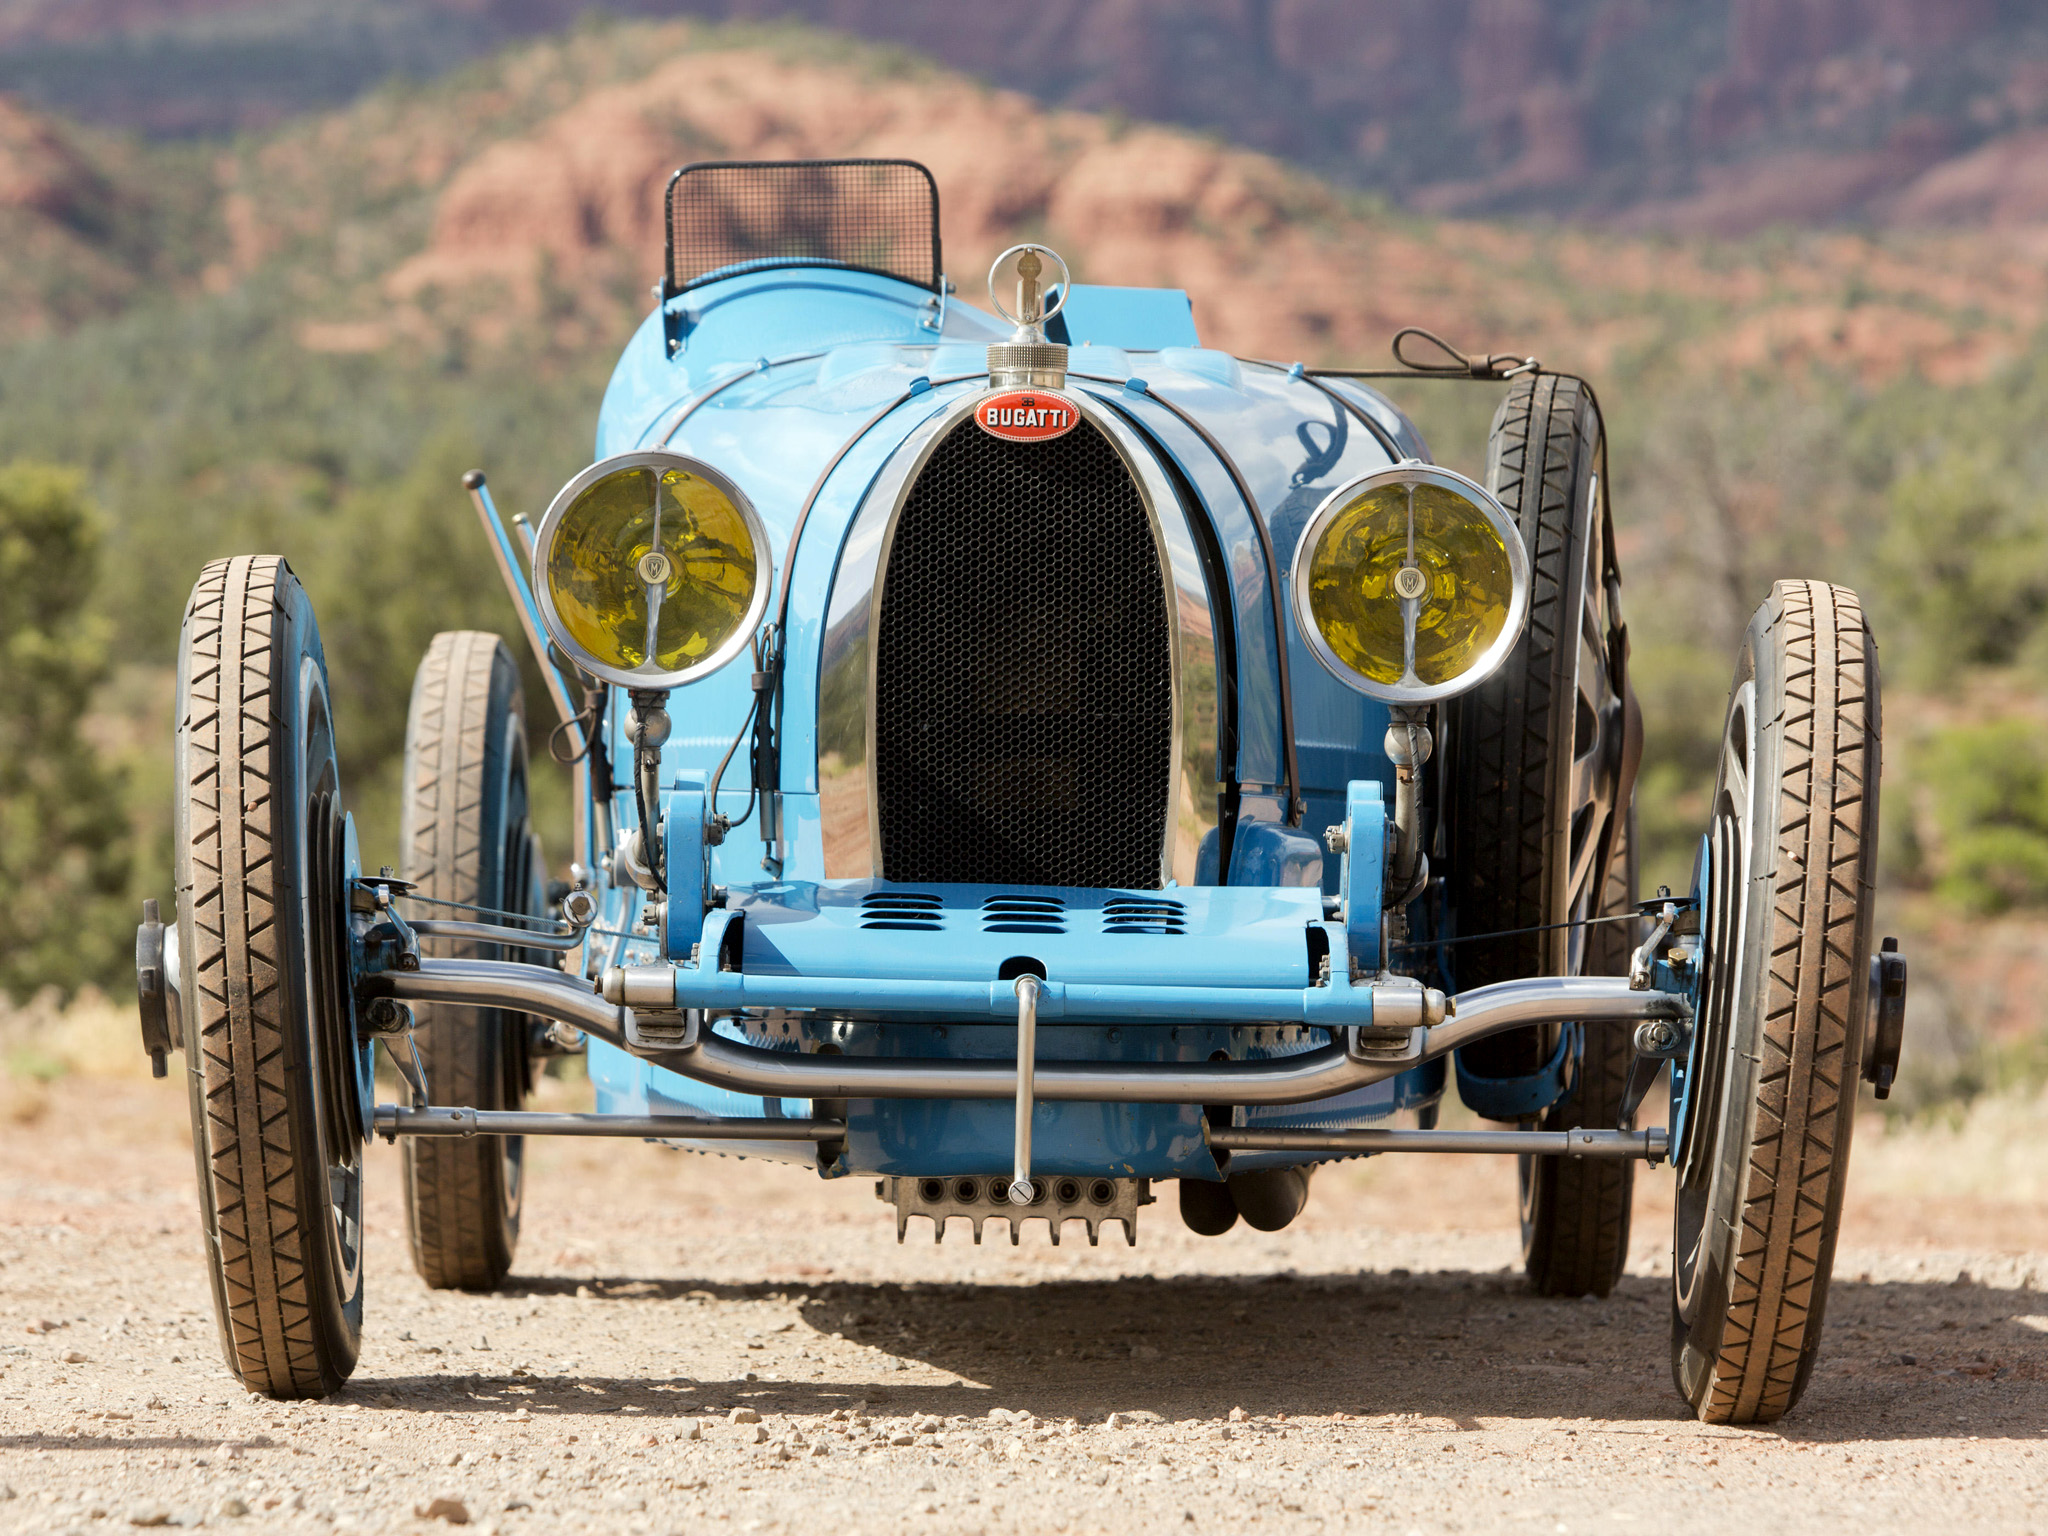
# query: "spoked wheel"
[[468, 839], [280, 1085], [1539, 824], [1764, 1107]]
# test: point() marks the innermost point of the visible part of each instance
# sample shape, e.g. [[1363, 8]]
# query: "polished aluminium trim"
[[1313, 1074], [1412, 472], [849, 805], [1021, 1192], [657, 459], [1651, 1145], [531, 989], [1297, 806], [445, 1120]]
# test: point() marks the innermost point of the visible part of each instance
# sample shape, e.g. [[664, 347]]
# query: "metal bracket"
[[1887, 1029], [1362, 879], [1657, 1041], [686, 863], [389, 944], [152, 990], [1642, 964], [409, 1066], [1385, 1045]]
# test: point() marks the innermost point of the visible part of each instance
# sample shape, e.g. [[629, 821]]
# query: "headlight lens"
[[651, 569], [1411, 583]]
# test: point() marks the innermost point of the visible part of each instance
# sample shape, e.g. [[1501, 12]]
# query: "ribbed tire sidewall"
[[465, 764], [1795, 1046], [290, 1322]]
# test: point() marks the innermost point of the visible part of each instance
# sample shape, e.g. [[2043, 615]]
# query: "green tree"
[[64, 834], [1963, 564], [1988, 787]]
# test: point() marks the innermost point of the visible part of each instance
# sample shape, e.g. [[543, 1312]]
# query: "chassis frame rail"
[[1360, 1057], [446, 1120], [1651, 1145]]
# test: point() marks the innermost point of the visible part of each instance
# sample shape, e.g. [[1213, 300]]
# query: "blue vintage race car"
[[1024, 761]]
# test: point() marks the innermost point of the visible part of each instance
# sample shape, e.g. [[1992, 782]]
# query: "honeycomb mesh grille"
[[873, 215], [1023, 670]]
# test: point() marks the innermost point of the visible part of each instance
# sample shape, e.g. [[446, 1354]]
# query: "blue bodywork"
[[801, 385]]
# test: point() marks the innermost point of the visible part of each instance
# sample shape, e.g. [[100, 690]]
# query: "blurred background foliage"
[[210, 396], [65, 846]]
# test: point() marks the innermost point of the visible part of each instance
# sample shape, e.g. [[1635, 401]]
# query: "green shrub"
[[1986, 787], [64, 833], [1963, 565]]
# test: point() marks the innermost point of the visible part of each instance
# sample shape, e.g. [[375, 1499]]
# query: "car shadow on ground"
[[1901, 1360]]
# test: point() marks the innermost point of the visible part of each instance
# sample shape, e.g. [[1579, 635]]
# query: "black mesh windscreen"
[[876, 215], [1023, 670]]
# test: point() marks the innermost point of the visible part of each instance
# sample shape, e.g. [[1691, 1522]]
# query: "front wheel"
[[278, 1079], [1764, 1107]]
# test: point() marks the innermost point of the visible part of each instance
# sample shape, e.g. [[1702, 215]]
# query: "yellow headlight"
[[651, 570], [1411, 584]]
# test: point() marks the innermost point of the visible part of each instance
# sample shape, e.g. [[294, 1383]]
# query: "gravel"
[[697, 1343]]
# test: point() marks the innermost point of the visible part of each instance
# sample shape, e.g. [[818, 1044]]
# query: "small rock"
[[454, 1511], [1237, 1415], [1144, 1352], [73, 1357], [1114, 1421], [149, 1515], [1015, 1450], [234, 1509], [903, 1437], [386, 1400], [154, 1402], [228, 1452], [744, 1416], [1906, 1359], [690, 1430], [929, 1424], [758, 1435], [927, 1486]]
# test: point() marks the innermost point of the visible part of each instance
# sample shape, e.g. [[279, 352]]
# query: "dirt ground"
[[1378, 1366]]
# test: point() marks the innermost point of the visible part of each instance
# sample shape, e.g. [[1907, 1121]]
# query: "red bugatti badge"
[[1027, 415]]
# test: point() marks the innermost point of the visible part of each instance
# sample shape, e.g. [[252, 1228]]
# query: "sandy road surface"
[[1377, 1367]]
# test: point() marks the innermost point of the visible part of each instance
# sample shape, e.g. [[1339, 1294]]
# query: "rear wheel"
[[1539, 819], [1767, 1100], [279, 1082], [468, 839], [1575, 1210]]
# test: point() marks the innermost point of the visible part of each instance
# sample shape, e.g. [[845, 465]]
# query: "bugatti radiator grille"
[[1023, 670]]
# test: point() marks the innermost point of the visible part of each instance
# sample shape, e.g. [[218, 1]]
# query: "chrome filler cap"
[[1027, 360]]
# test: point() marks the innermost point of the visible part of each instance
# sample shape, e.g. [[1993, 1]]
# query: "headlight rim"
[[757, 603], [1519, 572]]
